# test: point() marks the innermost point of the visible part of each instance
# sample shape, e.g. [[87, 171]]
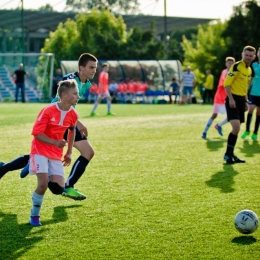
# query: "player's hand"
[[232, 103], [67, 159], [60, 143], [82, 129]]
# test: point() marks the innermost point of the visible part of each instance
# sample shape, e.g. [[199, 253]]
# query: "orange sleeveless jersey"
[[52, 122]]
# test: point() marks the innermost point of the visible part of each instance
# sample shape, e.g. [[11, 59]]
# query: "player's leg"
[[99, 99], [79, 167], [109, 99], [16, 164], [251, 107], [257, 122], [210, 121], [41, 172], [221, 110], [235, 117]]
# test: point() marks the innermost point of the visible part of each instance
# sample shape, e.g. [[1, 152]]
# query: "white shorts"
[[104, 95], [42, 164], [219, 109]]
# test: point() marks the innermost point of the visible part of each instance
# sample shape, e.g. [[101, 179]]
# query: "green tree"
[[243, 28], [205, 51], [119, 6], [99, 33]]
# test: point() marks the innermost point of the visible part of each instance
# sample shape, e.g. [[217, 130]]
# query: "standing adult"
[[236, 85], [188, 80], [20, 76], [208, 87], [254, 100], [103, 91]]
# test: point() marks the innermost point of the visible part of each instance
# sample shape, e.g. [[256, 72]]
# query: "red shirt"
[[142, 87], [221, 92], [131, 87], [103, 82], [52, 122], [122, 87], [93, 88]]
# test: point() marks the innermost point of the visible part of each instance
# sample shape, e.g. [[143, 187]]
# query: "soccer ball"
[[246, 221]]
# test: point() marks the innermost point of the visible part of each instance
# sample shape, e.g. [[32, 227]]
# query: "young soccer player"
[[87, 66], [236, 85], [219, 101], [254, 100], [47, 145], [103, 91]]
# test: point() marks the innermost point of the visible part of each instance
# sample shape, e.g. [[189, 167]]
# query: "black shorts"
[[78, 136], [254, 100], [237, 113]]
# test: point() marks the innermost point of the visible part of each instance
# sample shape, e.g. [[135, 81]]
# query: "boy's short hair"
[[173, 78], [85, 58], [230, 59], [249, 48], [65, 86]]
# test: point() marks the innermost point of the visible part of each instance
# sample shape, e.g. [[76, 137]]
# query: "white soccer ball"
[[246, 221]]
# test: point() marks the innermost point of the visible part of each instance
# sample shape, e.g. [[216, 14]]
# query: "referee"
[[236, 84]]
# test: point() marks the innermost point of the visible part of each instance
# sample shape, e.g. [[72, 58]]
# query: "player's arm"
[[71, 136], [227, 84], [45, 139], [82, 129]]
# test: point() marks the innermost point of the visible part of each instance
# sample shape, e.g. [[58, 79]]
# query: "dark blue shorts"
[[254, 100], [78, 136]]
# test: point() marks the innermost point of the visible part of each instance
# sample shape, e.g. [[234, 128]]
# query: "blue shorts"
[[78, 136], [187, 90]]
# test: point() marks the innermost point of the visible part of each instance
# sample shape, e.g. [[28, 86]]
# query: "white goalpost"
[[40, 67]]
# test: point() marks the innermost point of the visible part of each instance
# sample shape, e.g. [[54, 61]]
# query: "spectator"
[[20, 78], [175, 90], [140, 90], [121, 91], [208, 88], [56, 79], [93, 93], [188, 80], [131, 89], [113, 90]]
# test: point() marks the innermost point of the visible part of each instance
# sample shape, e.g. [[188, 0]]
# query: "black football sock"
[[248, 122], [232, 139], [257, 121], [15, 164], [77, 170]]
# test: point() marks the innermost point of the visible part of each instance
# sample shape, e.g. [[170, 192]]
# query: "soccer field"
[[155, 188]]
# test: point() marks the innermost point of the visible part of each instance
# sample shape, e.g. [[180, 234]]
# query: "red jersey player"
[[47, 145], [219, 101]]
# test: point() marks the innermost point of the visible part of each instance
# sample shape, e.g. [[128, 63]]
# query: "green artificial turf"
[[155, 188]]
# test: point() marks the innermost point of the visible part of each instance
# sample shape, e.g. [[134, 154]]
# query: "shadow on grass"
[[16, 239], [214, 145], [223, 180], [244, 240], [250, 148]]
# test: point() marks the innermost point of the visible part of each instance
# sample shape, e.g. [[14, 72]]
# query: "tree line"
[[105, 35]]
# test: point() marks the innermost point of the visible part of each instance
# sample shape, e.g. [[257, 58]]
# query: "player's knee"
[[55, 188]]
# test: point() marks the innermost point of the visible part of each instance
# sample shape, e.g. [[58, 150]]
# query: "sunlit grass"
[[156, 189]]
